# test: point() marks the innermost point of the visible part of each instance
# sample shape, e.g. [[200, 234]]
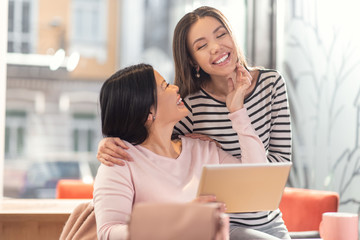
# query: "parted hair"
[[125, 101], [185, 70]]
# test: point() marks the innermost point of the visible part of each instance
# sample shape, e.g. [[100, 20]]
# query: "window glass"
[[25, 48], [14, 134], [7, 141], [20, 33], [10, 46], [11, 17], [59, 54], [25, 17], [320, 62], [88, 34], [41, 177], [84, 126]]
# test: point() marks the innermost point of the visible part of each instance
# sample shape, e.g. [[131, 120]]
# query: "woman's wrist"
[[236, 102], [239, 111], [233, 109]]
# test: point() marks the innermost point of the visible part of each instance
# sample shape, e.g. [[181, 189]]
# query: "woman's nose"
[[214, 48], [175, 87]]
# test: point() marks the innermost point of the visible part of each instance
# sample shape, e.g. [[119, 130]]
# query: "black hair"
[[125, 101]]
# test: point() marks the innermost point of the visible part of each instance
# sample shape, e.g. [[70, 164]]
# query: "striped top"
[[267, 106]]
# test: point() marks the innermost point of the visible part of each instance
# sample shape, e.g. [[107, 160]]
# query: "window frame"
[[3, 74]]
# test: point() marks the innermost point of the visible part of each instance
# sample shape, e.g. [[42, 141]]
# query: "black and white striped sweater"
[[268, 110]]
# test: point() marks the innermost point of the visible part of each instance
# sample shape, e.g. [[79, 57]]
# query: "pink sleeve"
[[252, 149], [113, 198]]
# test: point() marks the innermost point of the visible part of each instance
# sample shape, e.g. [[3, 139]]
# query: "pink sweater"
[[154, 178]]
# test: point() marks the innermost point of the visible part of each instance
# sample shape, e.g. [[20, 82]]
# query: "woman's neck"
[[159, 141], [217, 87]]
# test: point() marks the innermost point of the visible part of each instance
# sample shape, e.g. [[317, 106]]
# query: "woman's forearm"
[[252, 148]]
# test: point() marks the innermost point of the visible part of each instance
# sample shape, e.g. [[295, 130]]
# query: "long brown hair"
[[185, 72]]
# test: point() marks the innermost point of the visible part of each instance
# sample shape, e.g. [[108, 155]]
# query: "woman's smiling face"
[[170, 107], [212, 47]]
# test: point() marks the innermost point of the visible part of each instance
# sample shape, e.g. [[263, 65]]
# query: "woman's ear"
[[151, 117]]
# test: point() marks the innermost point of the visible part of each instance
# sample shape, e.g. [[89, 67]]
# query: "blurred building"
[[59, 53]]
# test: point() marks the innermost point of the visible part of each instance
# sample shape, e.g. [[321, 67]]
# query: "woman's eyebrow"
[[218, 28], [202, 38], [198, 40]]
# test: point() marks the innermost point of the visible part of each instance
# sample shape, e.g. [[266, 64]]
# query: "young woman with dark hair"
[[163, 170]]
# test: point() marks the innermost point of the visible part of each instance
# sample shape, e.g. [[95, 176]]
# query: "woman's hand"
[[237, 89], [202, 137], [210, 199], [112, 151]]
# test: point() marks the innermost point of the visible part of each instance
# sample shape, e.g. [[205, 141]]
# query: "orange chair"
[[302, 209], [74, 188]]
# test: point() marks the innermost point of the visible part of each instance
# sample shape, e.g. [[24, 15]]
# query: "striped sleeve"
[[267, 107], [280, 131], [268, 110]]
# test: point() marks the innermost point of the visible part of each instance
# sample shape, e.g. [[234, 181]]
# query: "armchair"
[[74, 188], [302, 210]]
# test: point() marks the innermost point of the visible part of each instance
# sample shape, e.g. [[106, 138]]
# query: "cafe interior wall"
[[319, 57]]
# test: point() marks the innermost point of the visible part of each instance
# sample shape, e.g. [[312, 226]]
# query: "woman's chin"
[[184, 112]]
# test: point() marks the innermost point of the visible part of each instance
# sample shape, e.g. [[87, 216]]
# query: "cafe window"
[[60, 107]]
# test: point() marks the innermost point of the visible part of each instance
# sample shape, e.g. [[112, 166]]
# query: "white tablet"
[[245, 187]]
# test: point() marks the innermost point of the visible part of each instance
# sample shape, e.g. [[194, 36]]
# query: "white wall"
[[3, 51]]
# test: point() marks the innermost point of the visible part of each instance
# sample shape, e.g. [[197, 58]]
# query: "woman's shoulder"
[[200, 151], [191, 143], [201, 97], [140, 155], [196, 95], [266, 76], [263, 72]]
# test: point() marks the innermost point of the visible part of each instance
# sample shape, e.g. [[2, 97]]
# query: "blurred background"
[[59, 52]]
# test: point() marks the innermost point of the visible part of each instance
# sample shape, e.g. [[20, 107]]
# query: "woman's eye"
[[165, 85], [221, 35], [202, 46]]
